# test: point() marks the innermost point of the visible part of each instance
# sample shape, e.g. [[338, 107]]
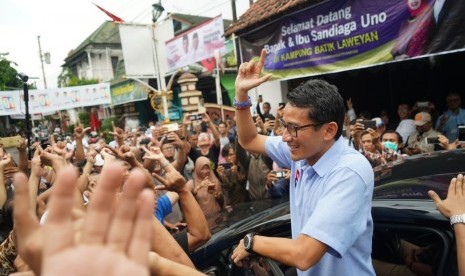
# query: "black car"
[[408, 229]]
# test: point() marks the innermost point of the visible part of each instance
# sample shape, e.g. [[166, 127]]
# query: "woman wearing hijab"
[[207, 190], [233, 176]]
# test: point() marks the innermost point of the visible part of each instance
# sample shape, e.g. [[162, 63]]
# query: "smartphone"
[[281, 105], [12, 141], [422, 104], [461, 133], [165, 138], [171, 127], [227, 166], [211, 187], [369, 124], [280, 174], [195, 117], [432, 140]]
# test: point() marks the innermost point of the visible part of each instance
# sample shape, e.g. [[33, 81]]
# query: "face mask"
[[390, 145]]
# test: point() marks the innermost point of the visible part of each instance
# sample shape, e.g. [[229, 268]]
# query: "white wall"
[[273, 92], [101, 66]]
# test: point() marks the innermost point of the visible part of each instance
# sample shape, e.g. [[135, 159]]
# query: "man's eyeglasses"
[[168, 148], [292, 129]]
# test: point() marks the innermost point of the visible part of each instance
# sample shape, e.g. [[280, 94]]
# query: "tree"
[[67, 78], [8, 79]]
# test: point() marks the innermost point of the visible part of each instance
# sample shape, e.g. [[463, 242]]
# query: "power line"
[[213, 7]]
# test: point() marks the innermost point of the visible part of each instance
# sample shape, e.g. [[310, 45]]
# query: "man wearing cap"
[[99, 162], [417, 142], [453, 117]]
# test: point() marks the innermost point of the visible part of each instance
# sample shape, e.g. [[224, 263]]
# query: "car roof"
[[435, 163]]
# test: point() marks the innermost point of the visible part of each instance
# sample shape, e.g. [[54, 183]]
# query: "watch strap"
[[457, 219], [249, 247]]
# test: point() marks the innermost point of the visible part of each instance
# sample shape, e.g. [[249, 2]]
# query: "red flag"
[[115, 18]]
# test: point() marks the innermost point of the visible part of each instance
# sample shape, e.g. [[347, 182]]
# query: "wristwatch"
[[248, 242], [453, 220]]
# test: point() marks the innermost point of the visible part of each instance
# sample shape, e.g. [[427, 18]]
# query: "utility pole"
[[42, 62], [236, 39]]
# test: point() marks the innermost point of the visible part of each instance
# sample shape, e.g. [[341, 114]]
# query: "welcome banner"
[[10, 103], [337, 35], [51, 100]]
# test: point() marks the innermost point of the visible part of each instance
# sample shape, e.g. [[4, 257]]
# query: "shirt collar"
[[326, 162]]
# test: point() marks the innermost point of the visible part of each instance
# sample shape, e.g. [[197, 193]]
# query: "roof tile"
[[266, 10]]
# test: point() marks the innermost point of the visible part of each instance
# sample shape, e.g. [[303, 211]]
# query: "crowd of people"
[[142, 202], [198, 173], [420, 129]]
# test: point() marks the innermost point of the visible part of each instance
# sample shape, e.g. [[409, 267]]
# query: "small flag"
[[297, 177], [115, 18]]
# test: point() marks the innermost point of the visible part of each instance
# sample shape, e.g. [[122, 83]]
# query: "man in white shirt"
[[406, 125]]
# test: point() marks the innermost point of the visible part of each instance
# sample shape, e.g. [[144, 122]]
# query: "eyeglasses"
[[292, 129], [453, 100], [169, 148]]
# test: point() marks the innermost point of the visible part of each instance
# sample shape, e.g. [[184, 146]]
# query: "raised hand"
[[22, 146], [173, 180], [153, 154], [454, 204], [29, 234], [112, 242], [80, 131], [248, 76], [5, 160], [349, 103]]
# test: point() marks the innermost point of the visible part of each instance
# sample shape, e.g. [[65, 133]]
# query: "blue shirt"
[[163, 209], [453, 121], [331, 202]]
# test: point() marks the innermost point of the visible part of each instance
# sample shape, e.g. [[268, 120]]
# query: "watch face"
[[247, 241]]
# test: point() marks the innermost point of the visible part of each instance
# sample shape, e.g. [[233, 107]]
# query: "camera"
[[461, 133], [165, 138], [280, 174], [369, 124], [23, 77], [432, 140], [227, 166], [195, 117], [171, 127], [422, 104]]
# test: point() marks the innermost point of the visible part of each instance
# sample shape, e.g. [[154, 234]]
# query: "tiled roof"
[[107, 33], [194, 20], [264, 11]]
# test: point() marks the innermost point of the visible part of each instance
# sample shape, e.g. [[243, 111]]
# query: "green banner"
[[127, 91]]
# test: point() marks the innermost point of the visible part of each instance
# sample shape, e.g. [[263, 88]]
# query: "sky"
[[63, 24]]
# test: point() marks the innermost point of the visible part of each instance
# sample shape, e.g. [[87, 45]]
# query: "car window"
[[414, 188], [411, 250]]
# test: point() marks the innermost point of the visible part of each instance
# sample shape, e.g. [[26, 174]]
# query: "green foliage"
[[75, 81], [8, 79], [107, 127], [67, 78], [70, 129], [84, 117]]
